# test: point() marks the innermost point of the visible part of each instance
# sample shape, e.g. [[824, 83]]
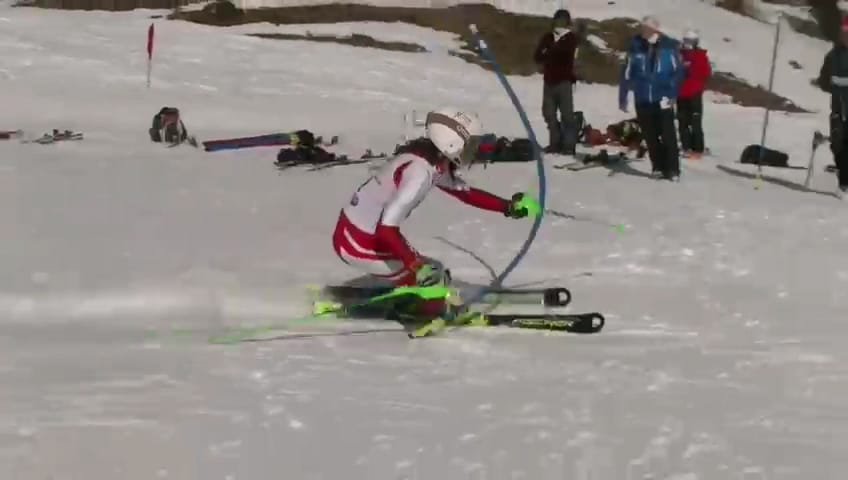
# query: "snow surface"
[[723, 357]]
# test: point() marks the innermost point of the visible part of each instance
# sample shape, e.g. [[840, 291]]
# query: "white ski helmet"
[[690, 37], [455, 133]]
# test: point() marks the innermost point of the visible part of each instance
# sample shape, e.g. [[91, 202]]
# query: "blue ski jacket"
[[652, 71]]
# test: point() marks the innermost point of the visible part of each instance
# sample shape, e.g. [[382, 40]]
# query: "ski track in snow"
[[723, 356]]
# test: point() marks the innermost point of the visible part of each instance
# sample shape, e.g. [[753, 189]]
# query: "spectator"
[[653, 71], [555, 53], [833, 78], [690, 101]]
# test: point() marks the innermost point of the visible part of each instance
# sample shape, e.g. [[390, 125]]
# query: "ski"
[[548, 297], [340, 161], [587, 161], [369, 155], [584, 323], [54, 137], [9, 134], [269, 140], [818, 139]]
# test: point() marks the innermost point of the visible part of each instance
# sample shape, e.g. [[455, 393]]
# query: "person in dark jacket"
[[556, 53], [833, 78], [653, 72], [690, 100]]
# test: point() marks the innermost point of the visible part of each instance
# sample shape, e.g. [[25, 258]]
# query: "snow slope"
[[723, 356]]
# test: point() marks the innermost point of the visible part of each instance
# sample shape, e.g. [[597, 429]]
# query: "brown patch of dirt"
[[108, 5], [749, 95], [356, 40]]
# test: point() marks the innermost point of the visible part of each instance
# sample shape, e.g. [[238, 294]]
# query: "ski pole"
[[618, 226], [759, 177]]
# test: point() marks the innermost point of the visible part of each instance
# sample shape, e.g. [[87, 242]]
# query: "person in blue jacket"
[[653, 71]]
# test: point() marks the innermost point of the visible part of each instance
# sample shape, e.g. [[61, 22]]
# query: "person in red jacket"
[[555, 53], [690, 98]]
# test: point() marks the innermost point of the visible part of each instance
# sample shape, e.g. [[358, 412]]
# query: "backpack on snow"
[[304, 151], [770, 157], [626, 132], [499, 150], [167, 127]]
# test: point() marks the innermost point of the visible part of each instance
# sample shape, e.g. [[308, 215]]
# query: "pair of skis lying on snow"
[[385, 302]]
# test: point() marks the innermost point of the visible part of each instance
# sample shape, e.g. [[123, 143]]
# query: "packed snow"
[[723, 356]]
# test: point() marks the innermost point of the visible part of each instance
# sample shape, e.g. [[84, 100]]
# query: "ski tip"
[[593, 323], [320, 308]]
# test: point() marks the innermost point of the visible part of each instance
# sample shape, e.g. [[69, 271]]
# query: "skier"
[[833, 79], [653, 71], [690, 101], [556, 53], [368, 235]]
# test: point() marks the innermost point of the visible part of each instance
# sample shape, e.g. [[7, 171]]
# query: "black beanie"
[[563, 14]]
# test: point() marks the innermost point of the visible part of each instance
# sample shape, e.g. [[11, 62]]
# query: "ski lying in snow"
[[585, 161], [269, 140], [818, 139], [584, 323], [369, 155], [548, 297], [9, 134], [579, 323], [339, 161], [54, 137]]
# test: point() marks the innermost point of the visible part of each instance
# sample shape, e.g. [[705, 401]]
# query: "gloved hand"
[[521, 205], [428, 274], [665, 103]]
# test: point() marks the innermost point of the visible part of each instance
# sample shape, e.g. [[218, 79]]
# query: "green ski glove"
[[521, 206]]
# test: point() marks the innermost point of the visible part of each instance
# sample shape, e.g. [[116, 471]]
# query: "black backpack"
[[168, 127], [771, 158]]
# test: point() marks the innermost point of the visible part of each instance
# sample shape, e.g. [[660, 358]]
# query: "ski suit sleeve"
[[679, 71], [413, 181], [541, 49], [824, 81], [475, 197], [702, 68], [624, 82]]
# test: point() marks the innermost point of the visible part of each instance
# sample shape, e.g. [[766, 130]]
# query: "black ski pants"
[[839, 146], [562, 131], [660, 134], [689, 113]]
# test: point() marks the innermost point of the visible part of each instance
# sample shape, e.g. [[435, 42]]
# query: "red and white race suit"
[[367, 234]]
